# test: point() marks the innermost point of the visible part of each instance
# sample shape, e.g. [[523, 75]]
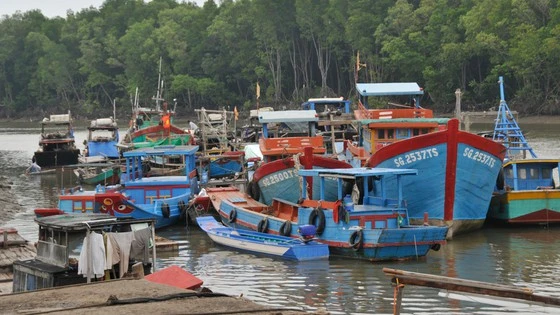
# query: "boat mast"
[[158, 97], [508, 132]]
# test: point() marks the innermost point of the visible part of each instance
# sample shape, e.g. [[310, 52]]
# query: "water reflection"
[[526, 257]]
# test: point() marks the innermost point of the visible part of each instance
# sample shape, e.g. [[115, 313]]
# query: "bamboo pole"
[[468, 286]]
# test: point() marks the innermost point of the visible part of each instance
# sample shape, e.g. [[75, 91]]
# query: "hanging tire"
[[253, 190], [165, 211], [232, 216], [285, 228], [356, 240], [319, 216], [500, 181], [182, 208], [263, 225], [436, 247]]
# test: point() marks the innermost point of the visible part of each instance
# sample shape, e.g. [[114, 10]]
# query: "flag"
[[258, 90], [235, 113]]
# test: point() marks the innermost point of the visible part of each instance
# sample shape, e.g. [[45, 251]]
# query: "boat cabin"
[[285, 133], [530, 174], [103, 137], [68, 250], [329, 103]]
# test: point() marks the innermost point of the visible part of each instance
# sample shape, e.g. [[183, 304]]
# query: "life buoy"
[[165, 211], [253, 190], [263, 225], [317, 215], [356, 240], [286, 228], [232, 216]]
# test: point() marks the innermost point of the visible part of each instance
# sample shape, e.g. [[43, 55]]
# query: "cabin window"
[[390, 133], [415, 132], [425, 131], [381, 134], [402, 134], [534, 173], [522, 173], [546, 173], [509, 173]]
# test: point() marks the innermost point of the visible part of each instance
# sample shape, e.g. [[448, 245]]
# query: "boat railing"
[[171, 201]]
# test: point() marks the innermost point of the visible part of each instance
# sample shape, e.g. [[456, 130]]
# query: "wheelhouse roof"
[[550, 163], [387, 89], [82, 222], [439, 121], [163, 150], [357, 172], [288, 115]]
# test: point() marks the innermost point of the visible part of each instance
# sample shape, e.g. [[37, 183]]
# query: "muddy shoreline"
[[8, 204]]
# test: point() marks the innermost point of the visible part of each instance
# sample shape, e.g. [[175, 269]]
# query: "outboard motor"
[[307, 232]]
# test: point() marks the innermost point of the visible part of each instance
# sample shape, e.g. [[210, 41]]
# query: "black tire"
[[319, 216], [285, 228], [253, 190], [263, 225], [356, 240], [182, 208], [165, 211], [436, 247], [232, 216]]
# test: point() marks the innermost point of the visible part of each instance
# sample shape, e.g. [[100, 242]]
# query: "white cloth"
[[121, 243], [92, 252], [193, 126]]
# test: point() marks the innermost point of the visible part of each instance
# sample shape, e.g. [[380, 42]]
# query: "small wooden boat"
[[300, 249], [98, 173]]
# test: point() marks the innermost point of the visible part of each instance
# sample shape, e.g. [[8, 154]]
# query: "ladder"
[[508, 132]]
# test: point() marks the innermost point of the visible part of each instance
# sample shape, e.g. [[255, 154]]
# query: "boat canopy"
[[386, 89], [288, 115], [163, 150]]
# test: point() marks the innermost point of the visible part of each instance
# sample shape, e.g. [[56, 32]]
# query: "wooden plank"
[[469, 286]]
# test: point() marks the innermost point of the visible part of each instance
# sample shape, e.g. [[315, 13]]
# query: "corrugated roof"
[[387, 89]]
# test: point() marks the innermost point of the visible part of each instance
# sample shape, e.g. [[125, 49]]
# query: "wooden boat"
[[98, 173], [57, 143], [375, 226], [103, 138], [59, 236], [525, 192], [280, 246], [287, 147], [163, 198], [456, 169]]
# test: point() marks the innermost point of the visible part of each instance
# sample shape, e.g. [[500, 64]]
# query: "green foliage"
[[214, 55]]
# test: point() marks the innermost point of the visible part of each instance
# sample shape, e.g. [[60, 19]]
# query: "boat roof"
[[288, 115], [163, 150], [357, 171], [327, 100], [439, 121], [84, 221], [552, 163], [386, 89]]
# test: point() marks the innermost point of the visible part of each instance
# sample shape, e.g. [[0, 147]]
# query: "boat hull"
[[382, 241], [57, 158], [456, 169], [261, 243], [280, 179], [526, 207]]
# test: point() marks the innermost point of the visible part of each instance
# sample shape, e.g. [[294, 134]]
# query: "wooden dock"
[[400, 278]]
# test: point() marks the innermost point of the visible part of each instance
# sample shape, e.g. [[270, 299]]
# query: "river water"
[[524, 257]]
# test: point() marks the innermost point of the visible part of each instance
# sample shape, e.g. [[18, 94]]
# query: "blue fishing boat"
[[366, 224], [457, 169], [525, 192], [164, 198], [303, 248], [103, 138]]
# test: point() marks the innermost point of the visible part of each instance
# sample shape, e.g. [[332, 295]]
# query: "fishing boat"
[[369, 224], [57, 143], [163, 198], [526, 192], [105, 173], [301, 249], [288, 143], [456, 169], [103, 138]]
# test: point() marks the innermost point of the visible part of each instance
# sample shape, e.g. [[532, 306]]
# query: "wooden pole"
[[468, 286]]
